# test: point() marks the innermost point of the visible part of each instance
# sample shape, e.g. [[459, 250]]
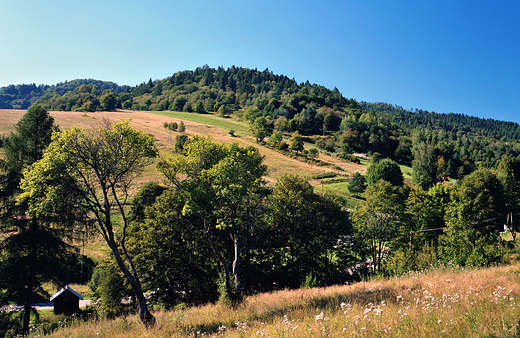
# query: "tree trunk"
[[223, 261], [30, 279], [144, 314], [236, 265]]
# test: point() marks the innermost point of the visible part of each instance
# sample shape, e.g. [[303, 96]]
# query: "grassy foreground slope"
[[445, 302]]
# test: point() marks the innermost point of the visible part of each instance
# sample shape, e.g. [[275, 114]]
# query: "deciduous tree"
[[222, 185], [386, 170], [92, 171]]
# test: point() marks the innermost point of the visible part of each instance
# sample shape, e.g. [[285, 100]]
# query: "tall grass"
[[445, 302]]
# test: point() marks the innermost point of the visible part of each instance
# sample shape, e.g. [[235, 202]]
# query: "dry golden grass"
[[152, 124], [447, 302]]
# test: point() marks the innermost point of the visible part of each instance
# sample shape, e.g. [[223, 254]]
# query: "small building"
[[66, 301]]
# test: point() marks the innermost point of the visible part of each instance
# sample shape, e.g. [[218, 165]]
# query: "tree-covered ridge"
[[24, 95], [449, 122], [457, 144]]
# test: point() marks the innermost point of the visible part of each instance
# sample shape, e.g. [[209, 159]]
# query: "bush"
[[109, 285]]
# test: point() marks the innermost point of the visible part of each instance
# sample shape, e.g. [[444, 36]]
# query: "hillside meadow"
[[443, 302], [196, 124]]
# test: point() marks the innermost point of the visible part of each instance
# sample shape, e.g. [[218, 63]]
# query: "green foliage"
[[144, 198], [296, 142], [222, 184], [304, 233], [172, 126], [32, 250], [260, 129], [380, 221], [310, 282], [313, 153], [180, 141], [108, 101], [473, 218], [182, 127], [92, 172], [357, 184], [110, 286], [198, 107], [171, 252], [424, 163], [386, 170], [223, 111], [32, 135]]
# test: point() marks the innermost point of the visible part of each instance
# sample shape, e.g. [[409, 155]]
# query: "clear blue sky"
[[442, 56]]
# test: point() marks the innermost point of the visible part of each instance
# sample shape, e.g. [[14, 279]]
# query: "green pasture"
[[216, 121]]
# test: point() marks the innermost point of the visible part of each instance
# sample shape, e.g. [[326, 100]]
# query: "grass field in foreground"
[[444, 302]]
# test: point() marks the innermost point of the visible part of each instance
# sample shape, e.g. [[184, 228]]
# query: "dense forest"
[[216, 230]]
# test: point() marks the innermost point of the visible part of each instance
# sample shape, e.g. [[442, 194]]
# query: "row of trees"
[[414, 228]]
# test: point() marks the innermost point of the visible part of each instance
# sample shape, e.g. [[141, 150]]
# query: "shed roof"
[[66, 287]]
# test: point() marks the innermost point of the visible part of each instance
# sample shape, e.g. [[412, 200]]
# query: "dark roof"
[[63, 290]]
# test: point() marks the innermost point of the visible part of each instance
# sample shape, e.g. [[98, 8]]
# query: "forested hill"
[[448, 122], [235, 88], [24, 95]]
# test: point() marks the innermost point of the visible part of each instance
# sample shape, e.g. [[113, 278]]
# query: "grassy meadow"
[[443, 302], [196, 124]]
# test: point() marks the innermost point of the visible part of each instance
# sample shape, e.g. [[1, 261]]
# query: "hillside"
[[214, 126], [461, 143], [204, 228]]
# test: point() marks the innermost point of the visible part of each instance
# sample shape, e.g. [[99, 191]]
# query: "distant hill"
[[24, 95], [448, 122], [340, 125]]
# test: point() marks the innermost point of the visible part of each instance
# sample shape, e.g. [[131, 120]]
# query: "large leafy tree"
[[379, 221], [92, 171], [474, 217], [170, 249], [424, 162], [386, 170], [260, 129], [296, 142], [305, 228], [222, 185]]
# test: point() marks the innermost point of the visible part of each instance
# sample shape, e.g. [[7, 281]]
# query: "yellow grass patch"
[[447, 302]]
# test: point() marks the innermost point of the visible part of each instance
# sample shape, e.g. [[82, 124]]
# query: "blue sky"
[[442, 56]]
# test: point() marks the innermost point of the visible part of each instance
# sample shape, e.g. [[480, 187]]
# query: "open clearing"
[[196, 124]]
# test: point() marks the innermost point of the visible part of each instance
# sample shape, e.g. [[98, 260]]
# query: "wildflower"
[[321, 317], [379, 312]]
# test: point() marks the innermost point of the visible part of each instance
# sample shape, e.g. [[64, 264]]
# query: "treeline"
[[451, 122], [24, 95]]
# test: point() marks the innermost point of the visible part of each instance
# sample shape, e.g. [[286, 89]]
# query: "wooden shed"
[[66, 301]]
